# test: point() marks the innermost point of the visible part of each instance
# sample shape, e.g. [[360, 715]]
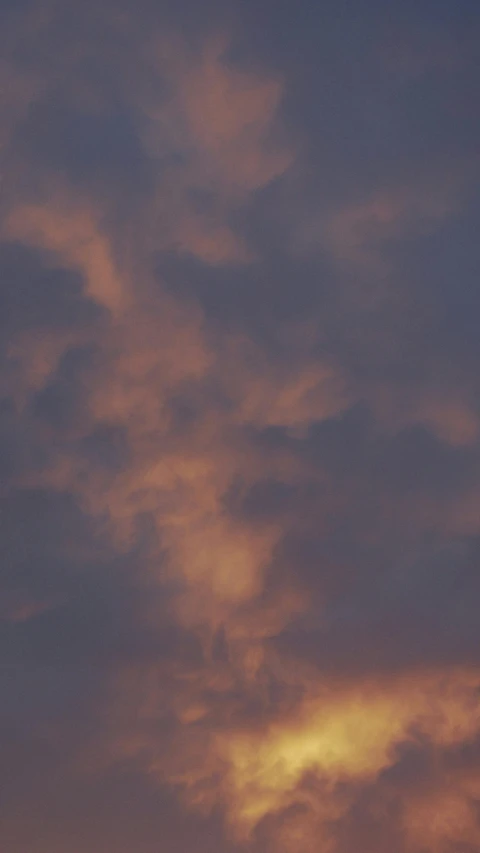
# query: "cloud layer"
[[239, 443]]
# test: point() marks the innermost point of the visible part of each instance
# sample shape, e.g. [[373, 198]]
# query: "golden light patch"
[[343, 735]]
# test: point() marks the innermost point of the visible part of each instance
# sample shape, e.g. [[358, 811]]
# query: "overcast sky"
[[239, 426]]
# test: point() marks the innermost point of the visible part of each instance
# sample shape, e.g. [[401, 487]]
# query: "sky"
[[239, 426]]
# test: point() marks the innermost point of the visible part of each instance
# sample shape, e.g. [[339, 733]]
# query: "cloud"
[[239, 450], [307, 763]]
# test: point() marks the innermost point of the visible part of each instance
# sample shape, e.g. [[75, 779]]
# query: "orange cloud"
[[302, 767], [353, 234], [439, 819], [150, 353], [219, 122], [337, 733], [275, 746], [228, 114], [77, 243], [449, 415]]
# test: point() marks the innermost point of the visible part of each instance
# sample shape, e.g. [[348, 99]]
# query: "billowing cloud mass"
[[239, 435]]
